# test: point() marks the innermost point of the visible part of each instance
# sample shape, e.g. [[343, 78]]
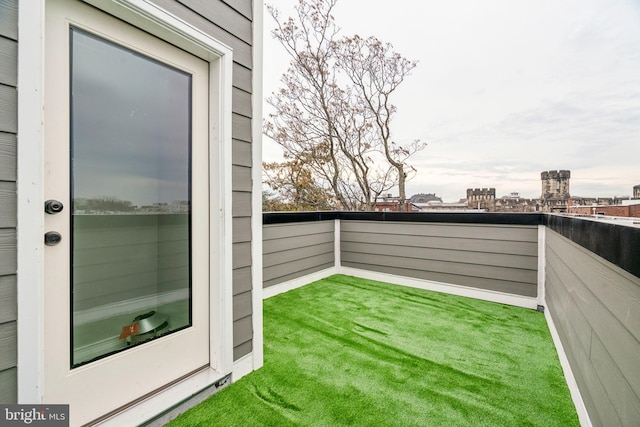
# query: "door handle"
[[53, 206], [52, 238]]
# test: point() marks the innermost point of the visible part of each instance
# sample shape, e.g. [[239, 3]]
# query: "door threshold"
[[172, 399]]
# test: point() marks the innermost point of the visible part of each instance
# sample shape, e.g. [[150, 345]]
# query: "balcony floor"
[[349, 351]]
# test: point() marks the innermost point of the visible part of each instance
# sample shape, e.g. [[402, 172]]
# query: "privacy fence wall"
[[585, 273]]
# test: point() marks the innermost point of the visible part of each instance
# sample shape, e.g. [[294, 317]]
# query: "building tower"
[[636, 191], [481, 198], [555, 184]]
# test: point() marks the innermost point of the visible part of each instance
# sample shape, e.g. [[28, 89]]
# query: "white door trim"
[[30, 162], [31, 102]]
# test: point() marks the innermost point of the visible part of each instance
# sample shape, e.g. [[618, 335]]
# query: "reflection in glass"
[[130, 188]]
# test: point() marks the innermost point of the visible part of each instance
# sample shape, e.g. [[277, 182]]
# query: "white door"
[[127, 176]]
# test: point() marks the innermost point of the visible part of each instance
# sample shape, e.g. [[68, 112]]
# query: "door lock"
[[52, 238], [53, 206]]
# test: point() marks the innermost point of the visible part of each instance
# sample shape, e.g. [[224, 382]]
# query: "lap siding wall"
[[500, 258], [296, 249], [595, 306], [8, 138]]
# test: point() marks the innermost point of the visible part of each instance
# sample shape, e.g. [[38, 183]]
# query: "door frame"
[[31, 278]]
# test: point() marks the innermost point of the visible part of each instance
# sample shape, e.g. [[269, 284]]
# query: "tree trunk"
[[401, 188]]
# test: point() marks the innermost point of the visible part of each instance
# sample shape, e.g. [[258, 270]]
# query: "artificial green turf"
[[348, 351]]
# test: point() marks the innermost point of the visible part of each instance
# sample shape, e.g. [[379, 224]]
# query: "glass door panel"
[[130, 146]]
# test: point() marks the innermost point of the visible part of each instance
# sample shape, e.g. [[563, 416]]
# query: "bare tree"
[[323, 119], [376, 71]]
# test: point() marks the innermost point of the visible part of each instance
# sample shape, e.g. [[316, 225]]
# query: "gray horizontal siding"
[[224, 16], [8, 257], [215, 28], [8, 62], [8, 220], [495, 257], [241, 178], [8, 339], [230, 22], [9, 19], [8, 109], [595, 306], [8, 299], [7, 156], [241, 102], [8, 386], [295, 250], [242, 77], [241, 153], [242, 6], [8, 362], [241, 128], [7, 204]]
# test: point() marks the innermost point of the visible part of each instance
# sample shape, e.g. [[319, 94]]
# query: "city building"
[[555, 197]]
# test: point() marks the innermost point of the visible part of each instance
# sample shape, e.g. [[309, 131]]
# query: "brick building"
[[631, 209]]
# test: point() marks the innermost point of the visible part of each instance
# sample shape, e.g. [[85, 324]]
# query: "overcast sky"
[[505, 89]]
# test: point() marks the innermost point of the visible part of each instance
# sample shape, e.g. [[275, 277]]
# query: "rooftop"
[[582, 274], [350, 351]]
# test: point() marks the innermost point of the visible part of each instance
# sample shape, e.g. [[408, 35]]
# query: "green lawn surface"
[[348, 351]]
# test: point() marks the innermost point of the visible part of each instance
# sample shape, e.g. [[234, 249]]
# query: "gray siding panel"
[[275, 232], [241, 204], [241, 230], [7, 204], [299, 253], [8, 299], [241, 49], [224, 16], [241, 102], [241, 127], [8, 62], [8, 257], [8, 128], [241, 255], [297, 249], [7, 157], [245, 7], [8, 386], [8, 345], [241, 280], [241, 153], [242, 350], [242, 331], [449, 243], [475, 259], [242, 180], [596, 307], [9, 19], [242, 77], [8, 109], [502, 258], [242, 306]]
